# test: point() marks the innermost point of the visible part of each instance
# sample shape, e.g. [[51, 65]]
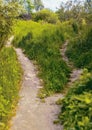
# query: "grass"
[[42, 43], [22, 28], [80, 49], [10, 76]]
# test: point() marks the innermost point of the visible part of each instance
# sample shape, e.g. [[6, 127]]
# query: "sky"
[[52, 4]]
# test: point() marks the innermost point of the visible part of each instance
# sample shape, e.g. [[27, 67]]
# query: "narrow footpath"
[[31, 113], [75, 74]]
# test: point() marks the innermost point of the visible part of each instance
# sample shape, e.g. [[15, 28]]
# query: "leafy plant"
[[77, 105]]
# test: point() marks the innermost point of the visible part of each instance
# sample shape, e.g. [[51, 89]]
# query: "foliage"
[[75, 9], [38, 5], [75, 26], [46, 16], [10, 75], [28, 6], [8, 12], [77, 105], [42, 44], [28, 9], [80, 49], [22, 28]]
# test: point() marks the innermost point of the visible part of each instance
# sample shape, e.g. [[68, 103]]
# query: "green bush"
[[77, 105], [47, 16], [10, 76]]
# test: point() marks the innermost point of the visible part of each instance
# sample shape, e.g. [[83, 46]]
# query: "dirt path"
[[32, 114], [75, 74], [8, 43]]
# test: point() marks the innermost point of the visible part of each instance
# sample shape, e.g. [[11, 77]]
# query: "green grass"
[[80, 49], [22, 28], [10, 76], [42, 43]]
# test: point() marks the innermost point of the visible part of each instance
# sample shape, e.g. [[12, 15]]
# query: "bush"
[[46, 15]]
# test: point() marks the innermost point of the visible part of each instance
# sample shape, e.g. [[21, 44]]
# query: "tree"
[[28, 6], [75, 9], [70, 9], [88, 6], [9, 10], [38, 5]]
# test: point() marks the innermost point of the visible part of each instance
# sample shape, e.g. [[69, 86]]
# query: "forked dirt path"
[[31, 113]]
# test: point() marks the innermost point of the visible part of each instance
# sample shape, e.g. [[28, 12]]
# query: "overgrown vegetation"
[[42, 44], [10, 76], [77, 105], [80, 49]]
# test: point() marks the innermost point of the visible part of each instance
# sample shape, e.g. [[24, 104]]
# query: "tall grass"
[[77, 104], [80, 49], [42, 43], [10, 76]]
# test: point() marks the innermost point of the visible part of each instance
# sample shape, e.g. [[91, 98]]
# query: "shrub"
[[46, 15]]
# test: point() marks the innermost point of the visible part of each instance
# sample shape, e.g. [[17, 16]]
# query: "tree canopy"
[[74, 10], [9, 10], [38, 5]]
